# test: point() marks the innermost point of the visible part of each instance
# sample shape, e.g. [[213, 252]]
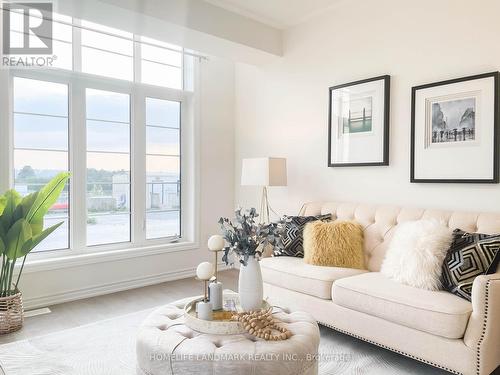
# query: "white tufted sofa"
[[437, 328]]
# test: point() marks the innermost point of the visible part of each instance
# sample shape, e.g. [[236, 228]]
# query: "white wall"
[[45, 286], [282, 108]]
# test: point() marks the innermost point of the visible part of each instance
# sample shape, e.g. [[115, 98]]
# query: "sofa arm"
[[483, 331]]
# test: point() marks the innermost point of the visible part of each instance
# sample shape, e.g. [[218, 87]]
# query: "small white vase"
[[250, 286]]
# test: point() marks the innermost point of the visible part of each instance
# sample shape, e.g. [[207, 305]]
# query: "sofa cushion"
[[470, 255], [416, 254], [334, 244], [437, 312], [292, 238], [292, 273]]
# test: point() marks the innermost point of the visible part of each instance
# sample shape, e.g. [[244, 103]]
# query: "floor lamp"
[[264, 172]]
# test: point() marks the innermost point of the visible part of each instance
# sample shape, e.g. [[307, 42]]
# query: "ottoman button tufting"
[[173, 316], [188, 335]]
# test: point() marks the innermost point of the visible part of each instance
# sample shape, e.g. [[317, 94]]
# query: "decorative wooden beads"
[[262, 324]]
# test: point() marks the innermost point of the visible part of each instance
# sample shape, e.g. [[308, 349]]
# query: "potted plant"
[[247, 239], [21, 230]]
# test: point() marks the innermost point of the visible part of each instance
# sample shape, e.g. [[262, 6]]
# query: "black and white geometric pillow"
[[470, 255], [292, 238]]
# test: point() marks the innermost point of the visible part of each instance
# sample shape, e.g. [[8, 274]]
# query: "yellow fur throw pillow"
[[335, 244]]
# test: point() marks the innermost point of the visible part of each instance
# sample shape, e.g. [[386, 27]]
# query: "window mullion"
[[137, 59], [78, 136], [5, 131], [77, 46], [183, 70], [138, 151]]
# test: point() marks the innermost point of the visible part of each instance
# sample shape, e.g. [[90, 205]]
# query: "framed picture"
[[358, 123], [455, 130]]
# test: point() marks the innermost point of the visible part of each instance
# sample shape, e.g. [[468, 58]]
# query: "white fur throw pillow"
[[416, 253]]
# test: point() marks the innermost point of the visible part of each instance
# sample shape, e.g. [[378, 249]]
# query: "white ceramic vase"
[[250, 286]]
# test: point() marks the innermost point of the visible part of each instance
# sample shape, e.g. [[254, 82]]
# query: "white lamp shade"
[[205, 271], [264, 172], [216, 243]]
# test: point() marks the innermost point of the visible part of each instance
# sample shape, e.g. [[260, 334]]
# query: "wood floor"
[[90, 310]]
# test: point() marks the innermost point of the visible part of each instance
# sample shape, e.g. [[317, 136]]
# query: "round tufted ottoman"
[[166, 346]]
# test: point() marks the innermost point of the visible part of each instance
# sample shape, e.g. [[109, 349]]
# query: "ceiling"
[[281, 14]]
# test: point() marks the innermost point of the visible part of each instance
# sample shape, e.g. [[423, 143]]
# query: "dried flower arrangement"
[[247, 238]]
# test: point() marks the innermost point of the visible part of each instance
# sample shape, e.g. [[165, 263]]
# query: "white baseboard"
[[98, 290], [36, 312]]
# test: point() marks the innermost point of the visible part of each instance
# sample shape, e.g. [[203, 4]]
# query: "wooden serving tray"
[[221, 323]]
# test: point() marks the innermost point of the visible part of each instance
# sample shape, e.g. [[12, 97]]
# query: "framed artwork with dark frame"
[[455, 131], [358, 123]]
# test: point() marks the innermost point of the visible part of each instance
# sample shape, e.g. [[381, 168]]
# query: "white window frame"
[[77, 81]]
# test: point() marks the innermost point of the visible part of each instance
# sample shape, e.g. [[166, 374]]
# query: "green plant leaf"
[[18, 213], [25, 205], [3, 202], [3, 234], [2, 246], [37, 226], [22, 211], [12, 200], [46, 197], [35, 240], [17, 236]]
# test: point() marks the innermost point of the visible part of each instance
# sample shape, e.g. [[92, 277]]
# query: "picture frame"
[[455, 131], [358, 123]]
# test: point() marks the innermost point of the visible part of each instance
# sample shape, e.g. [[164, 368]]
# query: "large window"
[[40, 119], [107, 51], [161, 63], [162, 168], [62, 37], [109, 113], [108, 167]]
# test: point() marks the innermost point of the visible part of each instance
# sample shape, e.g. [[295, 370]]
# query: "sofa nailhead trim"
[[485, 324], [391, 349]]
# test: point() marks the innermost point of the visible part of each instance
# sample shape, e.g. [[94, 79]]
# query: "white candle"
[[216, 295], [204, 310]]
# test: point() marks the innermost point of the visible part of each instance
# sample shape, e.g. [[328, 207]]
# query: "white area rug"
[[108, 348]]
